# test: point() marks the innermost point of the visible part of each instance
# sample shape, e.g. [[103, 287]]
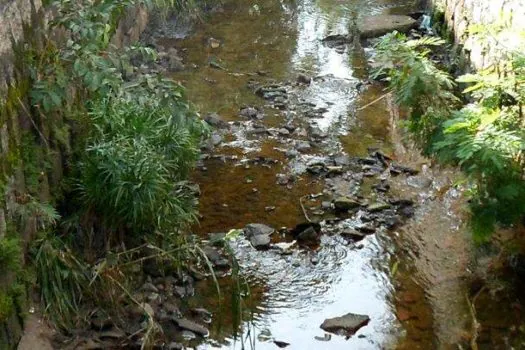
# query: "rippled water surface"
[[292, 294]]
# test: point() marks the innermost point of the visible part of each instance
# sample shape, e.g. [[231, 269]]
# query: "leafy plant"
[[416, 82], [484, 138], [62, 279]]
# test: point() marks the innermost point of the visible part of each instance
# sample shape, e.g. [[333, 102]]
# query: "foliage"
[[62, 279], [416, 82], [484, 138], [137, 161], [10, 254]]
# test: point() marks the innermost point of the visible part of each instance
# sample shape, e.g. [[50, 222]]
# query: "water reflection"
[[293, 294]]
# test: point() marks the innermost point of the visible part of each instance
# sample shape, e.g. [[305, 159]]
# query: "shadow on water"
[[291, 295]]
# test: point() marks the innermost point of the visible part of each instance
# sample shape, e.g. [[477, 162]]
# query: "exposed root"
[[475, 324]]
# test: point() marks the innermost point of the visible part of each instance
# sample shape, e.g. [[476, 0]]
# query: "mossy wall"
[[460, 15], [32, 158]]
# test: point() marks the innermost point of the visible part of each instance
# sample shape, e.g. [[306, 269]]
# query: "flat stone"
[[191, 326], [374, 26], [347, 324], [258, 235], [257, 230], [375, 207], [345, 203], [353, 234]]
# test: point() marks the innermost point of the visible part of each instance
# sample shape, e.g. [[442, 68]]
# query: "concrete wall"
[[461, 14]]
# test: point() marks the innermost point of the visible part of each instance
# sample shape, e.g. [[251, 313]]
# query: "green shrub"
[[138, 158], [417, 83]]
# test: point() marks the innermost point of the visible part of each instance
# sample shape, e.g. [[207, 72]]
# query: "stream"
[[273, 156]]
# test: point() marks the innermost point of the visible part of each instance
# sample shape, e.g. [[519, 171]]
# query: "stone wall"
[[461, 14], [20, 23]]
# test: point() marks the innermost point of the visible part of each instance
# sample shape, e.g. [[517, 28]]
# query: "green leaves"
[[484, 138]]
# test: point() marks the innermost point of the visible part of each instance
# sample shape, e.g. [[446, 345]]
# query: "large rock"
[[259, 235], [191, 326], [344, 203], [374, 26], [347, 324]]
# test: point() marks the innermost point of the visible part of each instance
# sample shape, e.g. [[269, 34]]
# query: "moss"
[[6, 306], [10, 255]]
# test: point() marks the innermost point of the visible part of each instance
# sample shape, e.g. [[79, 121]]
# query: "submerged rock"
[[374, 26], [347, 324], [307, 232]]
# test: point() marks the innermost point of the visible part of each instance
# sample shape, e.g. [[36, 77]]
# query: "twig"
[[374, 101], [303, 208]]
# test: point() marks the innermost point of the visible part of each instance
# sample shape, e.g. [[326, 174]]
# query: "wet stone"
[[215, 120], [191, 326], [347, 324], [175, 346], [258, 235], [376, 207], [345, 203], [353, 234], [304, 79]]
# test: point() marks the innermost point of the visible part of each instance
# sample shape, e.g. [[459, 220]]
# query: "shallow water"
[[292, 295]]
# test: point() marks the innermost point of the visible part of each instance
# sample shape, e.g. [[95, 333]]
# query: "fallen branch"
[[374, 101], [304, 209]]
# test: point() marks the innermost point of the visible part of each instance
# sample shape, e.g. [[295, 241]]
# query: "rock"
[[171, 309], [302, 146], [188, 335], [344, 203], [347, 324], [269, 208], [215, 120], [175, 346], [258, 235], [284, 132], [304, 79], [215, 258], [375, 207], [215, 139], [374, 26], [251, 113], [325, 205], [337, 40], [342, 160], [307, 232], [202, 312], [281, 344], [366, 228], [326, 337], [353, 234], [191, 326]]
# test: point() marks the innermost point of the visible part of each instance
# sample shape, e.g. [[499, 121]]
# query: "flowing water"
[[291, 295]]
